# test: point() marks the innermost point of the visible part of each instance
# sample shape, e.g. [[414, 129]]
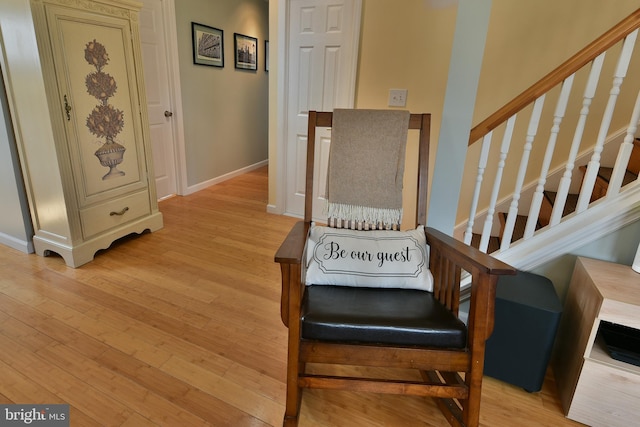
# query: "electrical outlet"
[[397, 97]]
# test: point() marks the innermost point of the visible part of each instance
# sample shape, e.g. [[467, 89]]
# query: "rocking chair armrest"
[[292, 248], [484, 270], [289, 256], [467, 256]]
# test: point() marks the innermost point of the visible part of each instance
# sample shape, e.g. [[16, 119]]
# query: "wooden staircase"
[[525, 138], [599, 191]]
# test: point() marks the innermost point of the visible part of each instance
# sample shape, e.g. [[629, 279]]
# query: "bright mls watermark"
[[34, 415]]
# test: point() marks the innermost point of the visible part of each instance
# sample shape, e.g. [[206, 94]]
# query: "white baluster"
[[589, 180], [625, 152], [504, 150], [482, 164], [565, 181], [536, 202], [513, 208]]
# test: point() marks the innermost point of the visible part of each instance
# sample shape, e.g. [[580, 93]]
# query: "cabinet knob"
[[168, 114]]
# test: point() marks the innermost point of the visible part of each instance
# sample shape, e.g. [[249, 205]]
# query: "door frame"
[[175, 96], [283, 33]]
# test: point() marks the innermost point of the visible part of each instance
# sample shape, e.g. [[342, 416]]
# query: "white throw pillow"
[[387, 259]]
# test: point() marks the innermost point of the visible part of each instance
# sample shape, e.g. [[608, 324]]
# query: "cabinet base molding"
[[84, 252]]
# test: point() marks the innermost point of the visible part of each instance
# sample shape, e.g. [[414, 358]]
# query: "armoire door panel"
[[94, 67]]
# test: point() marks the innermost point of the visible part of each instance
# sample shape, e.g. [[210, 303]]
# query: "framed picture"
[[266, 55], [246, 52], [208, 45]]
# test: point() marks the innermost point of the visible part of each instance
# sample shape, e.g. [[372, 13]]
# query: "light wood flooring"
[[181, 327]]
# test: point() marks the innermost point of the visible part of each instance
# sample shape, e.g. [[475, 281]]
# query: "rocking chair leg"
[[471, 407], [294, 365], [290, 421], [294, 399]]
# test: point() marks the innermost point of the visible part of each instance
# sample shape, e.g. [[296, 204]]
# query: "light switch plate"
[[397, 97]]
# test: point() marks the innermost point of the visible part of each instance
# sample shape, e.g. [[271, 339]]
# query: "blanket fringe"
[[364, 217]]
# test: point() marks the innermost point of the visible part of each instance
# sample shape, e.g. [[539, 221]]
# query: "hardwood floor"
[[181, 327]]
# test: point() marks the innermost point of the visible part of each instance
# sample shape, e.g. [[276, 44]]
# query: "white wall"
[[27, 106], [15, 226]]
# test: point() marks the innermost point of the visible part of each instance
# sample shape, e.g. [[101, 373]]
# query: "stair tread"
[[604, 177], [494, 242], [606, 172], [519, 226], [570, 203]]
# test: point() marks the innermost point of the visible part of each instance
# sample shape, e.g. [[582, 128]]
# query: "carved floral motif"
[[105, 120]]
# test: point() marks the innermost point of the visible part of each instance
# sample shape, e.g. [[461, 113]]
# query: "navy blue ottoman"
[[527, 316]]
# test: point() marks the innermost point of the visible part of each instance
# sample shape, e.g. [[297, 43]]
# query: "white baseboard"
[[20, 245], [201, 186], [273, 209]]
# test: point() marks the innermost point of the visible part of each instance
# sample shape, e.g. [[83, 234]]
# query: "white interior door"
[[322, 61], [156, 74]]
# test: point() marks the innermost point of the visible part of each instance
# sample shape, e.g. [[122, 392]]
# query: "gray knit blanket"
[[366, 165]]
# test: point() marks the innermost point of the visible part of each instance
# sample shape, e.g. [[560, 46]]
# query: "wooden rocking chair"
[[417, 329]]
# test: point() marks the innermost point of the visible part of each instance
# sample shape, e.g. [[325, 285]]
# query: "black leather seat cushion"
[[377, 315]]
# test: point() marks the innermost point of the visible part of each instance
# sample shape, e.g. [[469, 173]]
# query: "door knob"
[[168, 114]]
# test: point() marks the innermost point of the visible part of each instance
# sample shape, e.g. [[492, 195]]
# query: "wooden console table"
[[594, 388]]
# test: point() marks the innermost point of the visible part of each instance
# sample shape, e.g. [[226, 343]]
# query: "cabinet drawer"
[[606, 396], [105, 216]]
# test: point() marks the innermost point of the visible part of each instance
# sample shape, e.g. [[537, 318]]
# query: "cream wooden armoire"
[[102, 182]]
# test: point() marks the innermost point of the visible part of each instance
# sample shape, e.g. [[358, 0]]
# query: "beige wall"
[[526, 40], [225, 110], [404, 45], [408, 45]]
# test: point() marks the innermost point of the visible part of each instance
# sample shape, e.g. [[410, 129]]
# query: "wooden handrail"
[[555, 77]]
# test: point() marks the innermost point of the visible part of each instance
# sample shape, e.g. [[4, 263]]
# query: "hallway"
[[181, 327]]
